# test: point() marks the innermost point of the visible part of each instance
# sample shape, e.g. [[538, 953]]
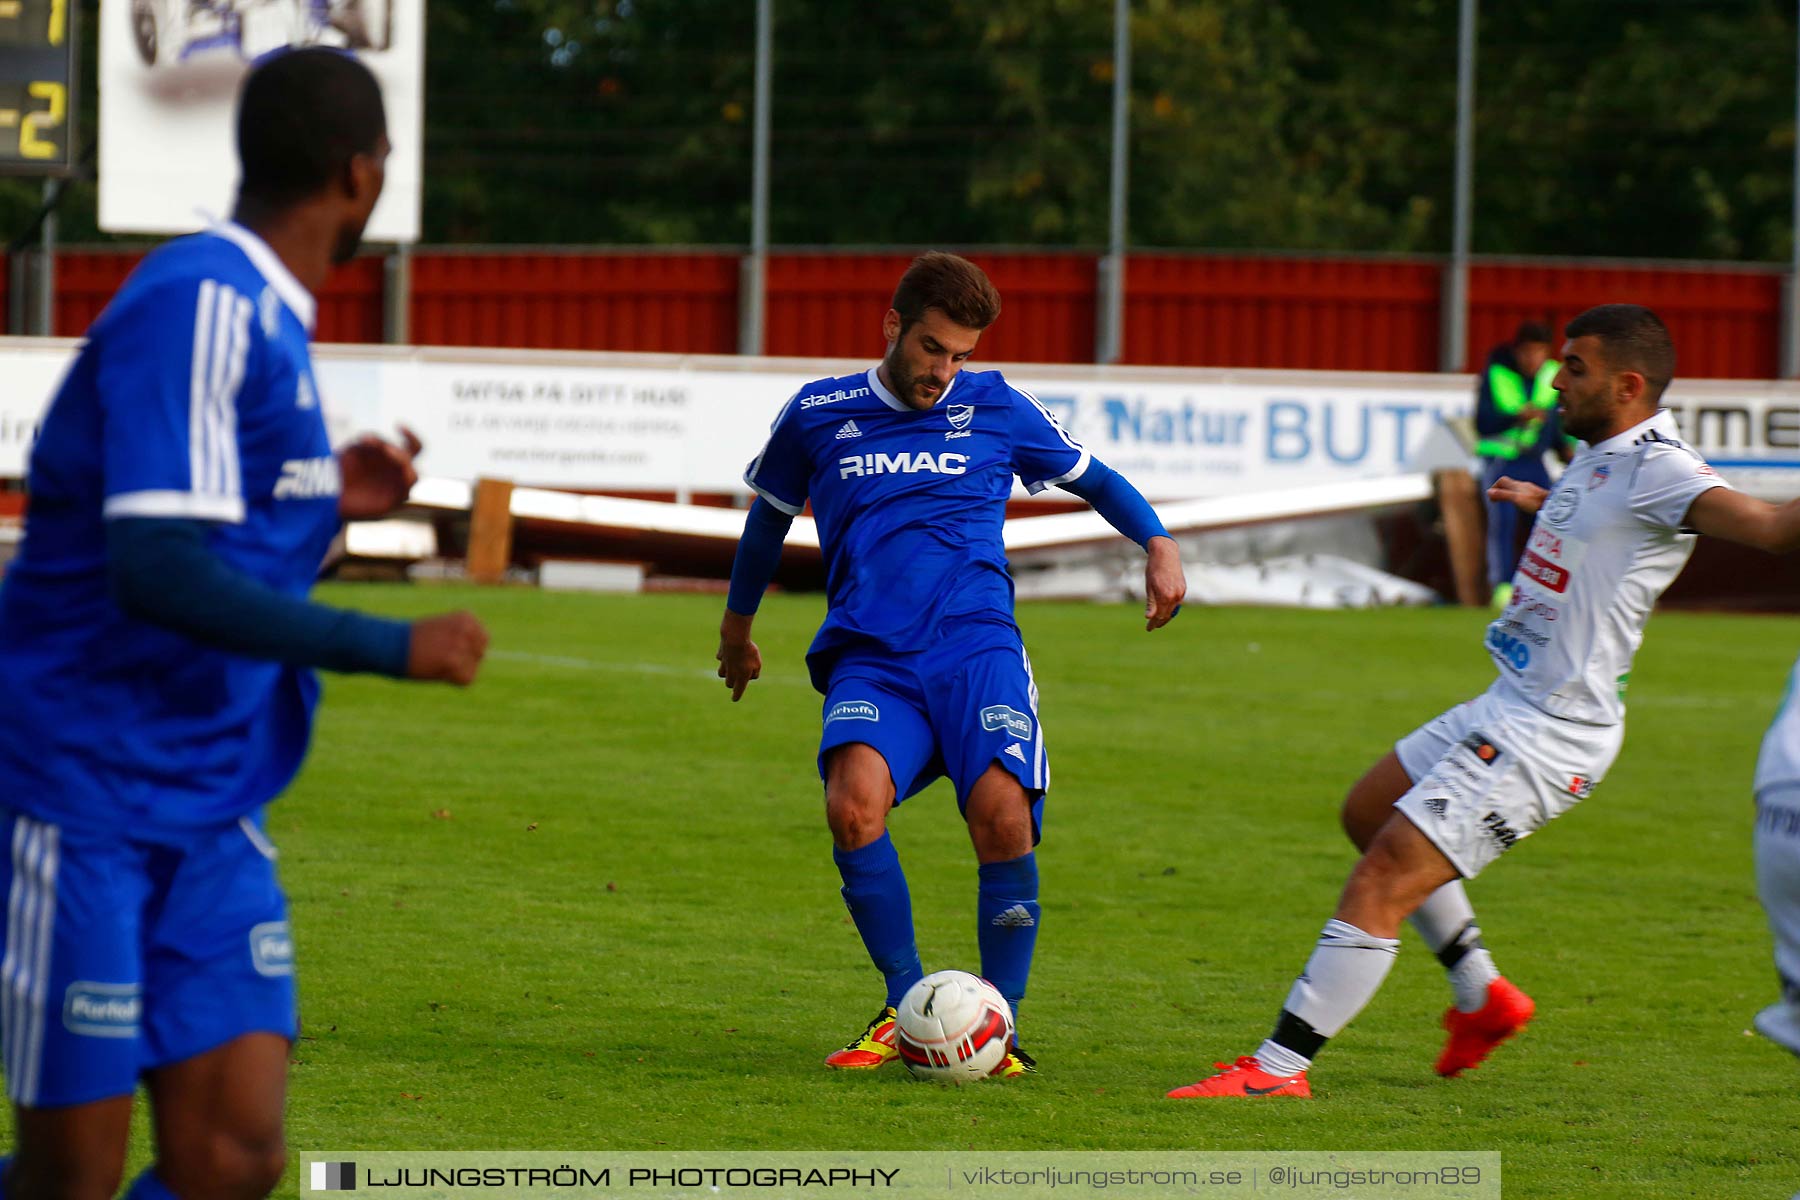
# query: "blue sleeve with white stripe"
[[168, 380], [1044, 455], [781, 473]]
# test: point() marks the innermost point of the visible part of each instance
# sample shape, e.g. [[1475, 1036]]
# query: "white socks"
[[1344, 973], [1277, 1059], [1447, 923]]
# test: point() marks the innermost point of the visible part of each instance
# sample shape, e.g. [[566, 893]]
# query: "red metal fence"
[[349, 307], [1338, 313]]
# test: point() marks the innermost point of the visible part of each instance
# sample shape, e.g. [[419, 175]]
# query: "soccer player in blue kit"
[[908, 467], [155, 646]]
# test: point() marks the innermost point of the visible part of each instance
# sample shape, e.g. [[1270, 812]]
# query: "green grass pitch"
[[590, 904]]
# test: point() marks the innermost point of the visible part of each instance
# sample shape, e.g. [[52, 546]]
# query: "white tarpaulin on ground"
[[690, 424]]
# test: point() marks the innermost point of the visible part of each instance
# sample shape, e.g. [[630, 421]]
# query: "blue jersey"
[[193, 398], [910, 504]]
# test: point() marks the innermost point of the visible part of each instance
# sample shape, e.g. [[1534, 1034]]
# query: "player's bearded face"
[[1583, 389], [922, 361], [911, 384]]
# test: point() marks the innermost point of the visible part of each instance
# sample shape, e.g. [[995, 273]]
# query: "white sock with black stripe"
[[1447, 923], [1345, 971]]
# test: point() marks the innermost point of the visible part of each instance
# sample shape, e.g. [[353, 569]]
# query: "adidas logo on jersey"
[[924, 462], [1015, 752], [848, 430], [1016, 917]]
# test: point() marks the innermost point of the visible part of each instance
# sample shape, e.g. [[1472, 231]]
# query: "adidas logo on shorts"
[[1437, 806]]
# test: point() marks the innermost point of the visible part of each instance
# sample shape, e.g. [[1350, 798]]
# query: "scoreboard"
[[37, 84]]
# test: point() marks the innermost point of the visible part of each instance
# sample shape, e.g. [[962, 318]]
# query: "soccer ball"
[[952, 1027]]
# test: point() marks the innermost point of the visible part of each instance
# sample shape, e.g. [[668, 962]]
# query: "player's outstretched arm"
[[740, 660], [162, 572], [758, 553], [1526, 497], [1723, 513], [1126, 510], [378, 475], [447, 648], [1165, 583]]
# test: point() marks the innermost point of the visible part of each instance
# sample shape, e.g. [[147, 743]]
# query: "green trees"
[[1659, 128]]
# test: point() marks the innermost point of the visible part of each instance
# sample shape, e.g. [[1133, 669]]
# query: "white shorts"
[[1777, 851], [1495, 770]]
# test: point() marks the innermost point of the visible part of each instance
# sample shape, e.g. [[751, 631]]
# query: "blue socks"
[[875, 892], [1006, 914], [148, 1187], [1006, 909]]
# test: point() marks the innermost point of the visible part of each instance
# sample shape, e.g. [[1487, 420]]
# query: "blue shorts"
[[124, 955], [951, 711]]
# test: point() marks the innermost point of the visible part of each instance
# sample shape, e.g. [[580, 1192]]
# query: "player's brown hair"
[[953, 285], [1635, 339]]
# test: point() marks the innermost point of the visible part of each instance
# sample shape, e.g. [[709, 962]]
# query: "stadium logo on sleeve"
[[831, 397], [108, 1010], [852, 710], [999, 716]]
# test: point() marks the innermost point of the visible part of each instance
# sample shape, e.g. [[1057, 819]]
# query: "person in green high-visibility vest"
[[1515, 423]]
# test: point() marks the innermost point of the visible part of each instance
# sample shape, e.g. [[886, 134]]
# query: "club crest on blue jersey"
[[109, 1010], [960, 415]]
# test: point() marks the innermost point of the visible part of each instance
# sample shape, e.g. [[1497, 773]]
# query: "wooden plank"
[[1465, 528], [490, 531]]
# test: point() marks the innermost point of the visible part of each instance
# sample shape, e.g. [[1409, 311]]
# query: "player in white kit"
[[1778, 861], [1454, 795]]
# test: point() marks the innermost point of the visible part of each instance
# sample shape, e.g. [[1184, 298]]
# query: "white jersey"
[[1779, 763], [1608, 540]]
